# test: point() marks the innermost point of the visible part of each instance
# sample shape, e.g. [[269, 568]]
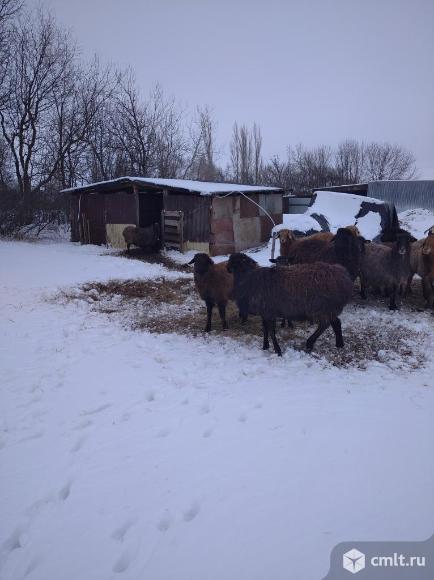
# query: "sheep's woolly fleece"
[[136, 454]]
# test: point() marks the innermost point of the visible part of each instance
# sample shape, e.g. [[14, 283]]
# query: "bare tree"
[[201, 148], [349, 162], [40, 69], [387, 161], [246, 154]]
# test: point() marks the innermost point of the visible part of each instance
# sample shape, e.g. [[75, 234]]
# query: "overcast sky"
[[311, 71]]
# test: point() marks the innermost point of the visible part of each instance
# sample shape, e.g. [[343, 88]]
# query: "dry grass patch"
[[163, 306]]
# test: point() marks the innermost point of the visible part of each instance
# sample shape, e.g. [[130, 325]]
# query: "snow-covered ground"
[[129, 454]]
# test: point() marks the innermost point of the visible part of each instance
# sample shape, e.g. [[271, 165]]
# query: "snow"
[[417, 221], [202, 187], [129, 454], [340, 210]]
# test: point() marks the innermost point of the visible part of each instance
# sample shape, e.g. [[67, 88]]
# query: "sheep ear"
[[273, 260], [191, 261]]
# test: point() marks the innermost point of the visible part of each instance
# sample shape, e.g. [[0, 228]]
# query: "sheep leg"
[[277, 349], [337, 327], [392, 296], [322, 327], [128, 248], [363, 294], [266, 344], [209, 307], [243, 308], [408, 288], [222, 312], [427, 290]]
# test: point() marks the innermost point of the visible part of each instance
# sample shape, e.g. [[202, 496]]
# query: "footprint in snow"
[[96, 410], [150, 396], [78, 444], [204, 410], [65, 491], [162, 433], [208, 432], [14, 542], [120, 533], [83, 425], [122, 563], [36, 435], [242, 418], [165, 522], [191, 512]]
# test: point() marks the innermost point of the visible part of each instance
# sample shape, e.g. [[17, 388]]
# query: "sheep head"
[[354, 230], [286, 236], [202, 263], [428, 245], [403, 241], [240, 262]]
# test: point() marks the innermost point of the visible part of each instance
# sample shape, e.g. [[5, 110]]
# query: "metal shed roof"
[[183, 185], [404, 194]]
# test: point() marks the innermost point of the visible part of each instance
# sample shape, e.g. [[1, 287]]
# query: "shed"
[[218, 218], [403, 194]]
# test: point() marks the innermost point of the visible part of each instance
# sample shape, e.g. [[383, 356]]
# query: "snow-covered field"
[[130, 454]]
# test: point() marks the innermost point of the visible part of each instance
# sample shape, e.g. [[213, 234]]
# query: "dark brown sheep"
[[314, 292], [148, 237], [386, 267], [345, 249], [422, 263], [214, 284]]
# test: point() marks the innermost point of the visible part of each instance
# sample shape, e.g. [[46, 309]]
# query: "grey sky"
[[314, 71]]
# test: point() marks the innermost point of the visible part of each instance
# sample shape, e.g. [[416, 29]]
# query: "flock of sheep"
[[313, 278]]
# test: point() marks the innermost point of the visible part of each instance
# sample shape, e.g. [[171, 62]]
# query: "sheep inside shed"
[[148, 237], [214, 284], [313, 292]]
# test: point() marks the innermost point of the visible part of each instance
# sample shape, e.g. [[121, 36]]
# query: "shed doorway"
[[150, 207]]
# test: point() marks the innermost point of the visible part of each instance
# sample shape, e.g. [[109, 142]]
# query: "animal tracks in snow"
[[96, 410], [78, 444], [65, 491], [191, 512], [120, 533], [122, 563]]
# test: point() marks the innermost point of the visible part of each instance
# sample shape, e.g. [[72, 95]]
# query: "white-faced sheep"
[[214, 285], [148, 237], [386, 266], [314, 292]]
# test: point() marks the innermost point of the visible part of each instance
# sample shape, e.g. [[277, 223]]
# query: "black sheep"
[[315, 292]]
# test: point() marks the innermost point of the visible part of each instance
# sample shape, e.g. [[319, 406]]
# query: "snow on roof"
[[201, 187], [339, 210]]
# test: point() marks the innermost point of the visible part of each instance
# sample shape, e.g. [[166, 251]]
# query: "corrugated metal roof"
[[184, 185], [404, 194]]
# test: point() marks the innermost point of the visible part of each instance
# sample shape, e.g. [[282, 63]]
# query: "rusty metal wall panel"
[[92, 210], [121, 208], [247, 208], [222, 225], [196, 210]]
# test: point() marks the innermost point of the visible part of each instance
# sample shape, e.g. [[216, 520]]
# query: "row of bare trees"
[[64, 122]]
